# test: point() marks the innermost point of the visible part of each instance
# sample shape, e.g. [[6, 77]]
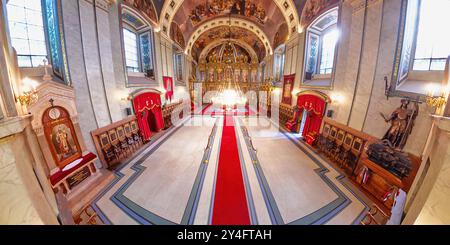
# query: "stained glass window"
[[313, 51], [131, 50], [27, 31], [147, 54], [54, 40]]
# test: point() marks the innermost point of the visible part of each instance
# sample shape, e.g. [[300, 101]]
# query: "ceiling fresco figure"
[[224, 32], [146, 7], [251, 9], [313, 8]]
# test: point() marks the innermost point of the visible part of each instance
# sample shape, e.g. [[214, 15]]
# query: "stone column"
[[22, 197]]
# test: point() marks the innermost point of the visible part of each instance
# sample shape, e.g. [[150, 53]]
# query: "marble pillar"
[[22, 199]]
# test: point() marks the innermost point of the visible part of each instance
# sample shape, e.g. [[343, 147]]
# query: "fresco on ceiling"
[[176, 35], [253, 9], [224, 32], [220, 53], [314, 8], [146, 7], [193, 13], [281, 35]]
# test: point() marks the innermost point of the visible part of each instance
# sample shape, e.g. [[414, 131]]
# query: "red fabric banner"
[[148, 111], [168, 86], [288, 87], [315, 107]]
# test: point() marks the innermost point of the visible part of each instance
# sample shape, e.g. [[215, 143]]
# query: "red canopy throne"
[[148, 110], [313, 103]]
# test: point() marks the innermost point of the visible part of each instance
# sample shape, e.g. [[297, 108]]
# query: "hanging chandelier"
[[230, 93]]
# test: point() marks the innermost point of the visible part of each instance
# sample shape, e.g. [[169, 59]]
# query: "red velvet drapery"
[[315, 107], [148, 106]]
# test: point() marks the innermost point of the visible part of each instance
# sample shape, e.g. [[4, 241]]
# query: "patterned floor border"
[[140, 214], [320, 216]]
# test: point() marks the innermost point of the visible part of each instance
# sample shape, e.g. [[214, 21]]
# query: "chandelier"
[[230, 93]]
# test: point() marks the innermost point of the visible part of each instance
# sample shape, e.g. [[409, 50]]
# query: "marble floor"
[[173, 180]]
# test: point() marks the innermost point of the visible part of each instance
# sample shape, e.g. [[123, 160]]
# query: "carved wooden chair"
[[346, 148], [331, 142], [354, 154], [323, 138], [125, 148], [107, 148], [114, 140], [339, 142], [135, 131], [129, 136]]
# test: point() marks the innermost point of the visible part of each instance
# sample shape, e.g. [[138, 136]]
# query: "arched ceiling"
[[239, 43], [250, 32], [266, 16], [276, 20], [224, 33]]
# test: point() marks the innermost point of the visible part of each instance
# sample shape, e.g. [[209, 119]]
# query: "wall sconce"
[[432, 100], [128, 98], [336, 98], [29, 95]]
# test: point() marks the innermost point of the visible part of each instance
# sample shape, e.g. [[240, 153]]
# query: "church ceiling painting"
[[264, 13], [281, 35], [220, 53], [224, 32], [252, 9], [177, 36], [314, 8], [145, 7]]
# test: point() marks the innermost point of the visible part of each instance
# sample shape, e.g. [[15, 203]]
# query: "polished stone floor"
[[173, 180]]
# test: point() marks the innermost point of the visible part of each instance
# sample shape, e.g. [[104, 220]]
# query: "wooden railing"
[[170, 109]]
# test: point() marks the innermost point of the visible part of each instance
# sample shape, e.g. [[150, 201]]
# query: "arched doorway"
[[147, 107], [311, 107]]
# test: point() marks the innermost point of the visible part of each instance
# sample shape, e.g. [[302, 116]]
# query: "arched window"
[[138, 45], [34, 28], [178, 60], [131, 50], [321, 43], [432, 44], [424, 47], [27, 32], [279, 61]]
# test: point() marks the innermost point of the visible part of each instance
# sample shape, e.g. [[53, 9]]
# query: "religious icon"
[[61, 136], [63, 142]]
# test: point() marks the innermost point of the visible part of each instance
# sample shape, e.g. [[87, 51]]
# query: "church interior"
[[224, 112]]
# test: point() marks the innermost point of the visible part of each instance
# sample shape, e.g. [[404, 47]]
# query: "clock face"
[[54, 113]]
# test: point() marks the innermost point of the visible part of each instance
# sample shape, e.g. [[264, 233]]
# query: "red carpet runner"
[[230, 202]]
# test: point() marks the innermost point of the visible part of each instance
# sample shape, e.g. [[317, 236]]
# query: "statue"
[[402, 122]]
